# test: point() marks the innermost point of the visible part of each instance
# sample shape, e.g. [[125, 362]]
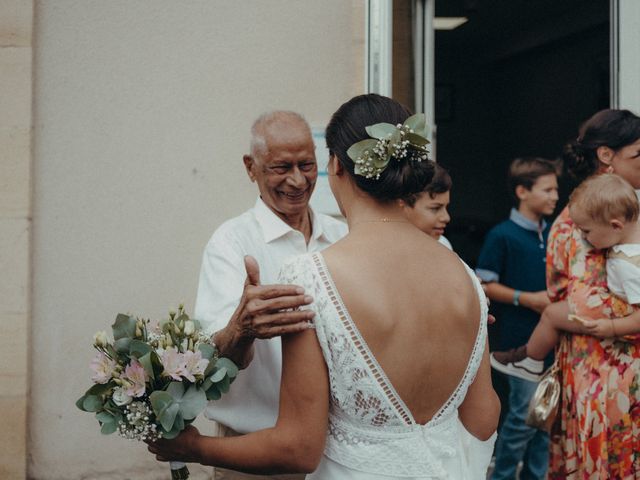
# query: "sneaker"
[[516, 363]]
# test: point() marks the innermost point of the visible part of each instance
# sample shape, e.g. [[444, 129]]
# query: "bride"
[[393, 381]]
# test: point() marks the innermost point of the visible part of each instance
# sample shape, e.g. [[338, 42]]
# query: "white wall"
[[629, 18], [141, 116]]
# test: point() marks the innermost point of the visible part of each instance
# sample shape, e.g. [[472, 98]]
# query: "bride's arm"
[[480, 410], [294, 445]]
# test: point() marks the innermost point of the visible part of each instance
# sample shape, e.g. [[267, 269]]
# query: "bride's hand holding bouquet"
[[151, 383]]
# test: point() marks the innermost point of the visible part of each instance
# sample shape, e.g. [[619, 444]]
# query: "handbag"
[[543, 407]]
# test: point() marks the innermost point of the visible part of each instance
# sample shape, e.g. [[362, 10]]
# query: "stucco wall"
[[15, 227], [141, 114]]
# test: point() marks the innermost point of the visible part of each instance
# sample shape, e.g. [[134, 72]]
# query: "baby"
[[605, 208]]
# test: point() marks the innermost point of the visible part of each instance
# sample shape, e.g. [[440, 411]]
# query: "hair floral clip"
[[371, 156]]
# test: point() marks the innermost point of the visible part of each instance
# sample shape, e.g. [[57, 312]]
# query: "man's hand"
[[536, 301], [182, 448], [264, 311]]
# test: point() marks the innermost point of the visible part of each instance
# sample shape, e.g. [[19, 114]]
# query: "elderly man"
[[236, 301]]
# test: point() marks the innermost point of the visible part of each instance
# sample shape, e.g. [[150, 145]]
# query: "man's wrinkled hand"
[[267, 311]]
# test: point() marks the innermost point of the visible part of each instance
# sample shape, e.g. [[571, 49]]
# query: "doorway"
[[516, 79]]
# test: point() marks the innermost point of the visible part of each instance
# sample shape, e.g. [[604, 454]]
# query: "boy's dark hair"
[[525, 171], [440, 183]]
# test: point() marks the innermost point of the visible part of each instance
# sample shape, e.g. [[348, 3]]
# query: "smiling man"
[[237, 302]]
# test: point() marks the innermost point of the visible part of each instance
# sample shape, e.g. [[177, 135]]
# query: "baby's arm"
[[614, 327]]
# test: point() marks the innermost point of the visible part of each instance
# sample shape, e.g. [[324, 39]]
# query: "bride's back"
[[415, 306]]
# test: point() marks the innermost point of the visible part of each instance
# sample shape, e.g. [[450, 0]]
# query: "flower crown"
[[372, 156]]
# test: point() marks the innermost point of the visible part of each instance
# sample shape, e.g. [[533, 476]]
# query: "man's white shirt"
[[252, 402]]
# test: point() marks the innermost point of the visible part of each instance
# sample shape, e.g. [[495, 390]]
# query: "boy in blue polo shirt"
[[512, 268]]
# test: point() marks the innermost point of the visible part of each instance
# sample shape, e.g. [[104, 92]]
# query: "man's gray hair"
[[264, 121]]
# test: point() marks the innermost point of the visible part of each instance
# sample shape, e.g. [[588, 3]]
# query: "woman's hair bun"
[[403, 176]]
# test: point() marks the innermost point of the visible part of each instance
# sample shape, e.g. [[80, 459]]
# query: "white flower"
[[189, 327], [100, 339], [120, 397]]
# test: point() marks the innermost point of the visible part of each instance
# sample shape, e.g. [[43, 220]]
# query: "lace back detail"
[[360, 344], [370, 427]]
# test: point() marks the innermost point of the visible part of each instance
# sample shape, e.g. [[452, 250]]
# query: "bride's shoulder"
[[297, 269]]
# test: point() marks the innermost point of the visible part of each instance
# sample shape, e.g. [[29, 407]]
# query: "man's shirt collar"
[[273, 227], [522, 221]]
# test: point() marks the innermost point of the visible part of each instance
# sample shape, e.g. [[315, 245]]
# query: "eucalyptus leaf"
[[160, 400], [417, 123], [381, 162], [108, 428], [380, 130], [92, 403], [138, 348], [145, 361], [395, 139], [416, 139], [357, 149], [122, 345], [219, 375], [192, 403], [80, 402], [167, 416], [223, 385], [124, 327], [173, 433], [104, 417], [213, 393], [176, 390], [100, 388], [232, 368], [207, 351]]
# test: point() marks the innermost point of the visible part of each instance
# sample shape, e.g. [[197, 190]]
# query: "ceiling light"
[[448, 23]]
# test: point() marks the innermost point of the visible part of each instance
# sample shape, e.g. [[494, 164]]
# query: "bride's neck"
[[371, 211]]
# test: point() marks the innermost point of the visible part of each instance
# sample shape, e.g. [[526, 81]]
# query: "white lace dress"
[[372, 434]]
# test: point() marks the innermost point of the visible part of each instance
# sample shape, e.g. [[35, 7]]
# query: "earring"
[[609, 169]]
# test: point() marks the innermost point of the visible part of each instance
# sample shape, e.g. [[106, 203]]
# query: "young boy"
[[606, 209], [512, 267], [428, 209]]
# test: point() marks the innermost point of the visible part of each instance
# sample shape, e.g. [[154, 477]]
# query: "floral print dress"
[[597, 433]]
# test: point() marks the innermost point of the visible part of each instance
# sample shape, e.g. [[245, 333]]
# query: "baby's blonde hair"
[[606, 197]]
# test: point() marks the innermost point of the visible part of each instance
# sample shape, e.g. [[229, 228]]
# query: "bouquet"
[[151, 383]]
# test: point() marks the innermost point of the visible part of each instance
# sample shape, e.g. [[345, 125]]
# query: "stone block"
[[15, 87], [14, 350], [16, 20], [14, 263], [13, 441], [15, 172]]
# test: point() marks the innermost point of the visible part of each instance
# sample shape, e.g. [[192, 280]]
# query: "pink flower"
[[137, 376], [173, 363], [194, 365], [102, 367]]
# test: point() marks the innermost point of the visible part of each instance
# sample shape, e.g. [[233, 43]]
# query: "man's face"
[[429, 213], [286, 171]]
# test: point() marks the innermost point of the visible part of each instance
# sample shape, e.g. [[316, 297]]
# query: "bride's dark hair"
[[409, 175]]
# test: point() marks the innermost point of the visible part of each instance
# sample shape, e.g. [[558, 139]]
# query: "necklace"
[[382, 220]]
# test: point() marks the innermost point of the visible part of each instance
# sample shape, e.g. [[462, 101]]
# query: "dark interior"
[[516, 80]]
